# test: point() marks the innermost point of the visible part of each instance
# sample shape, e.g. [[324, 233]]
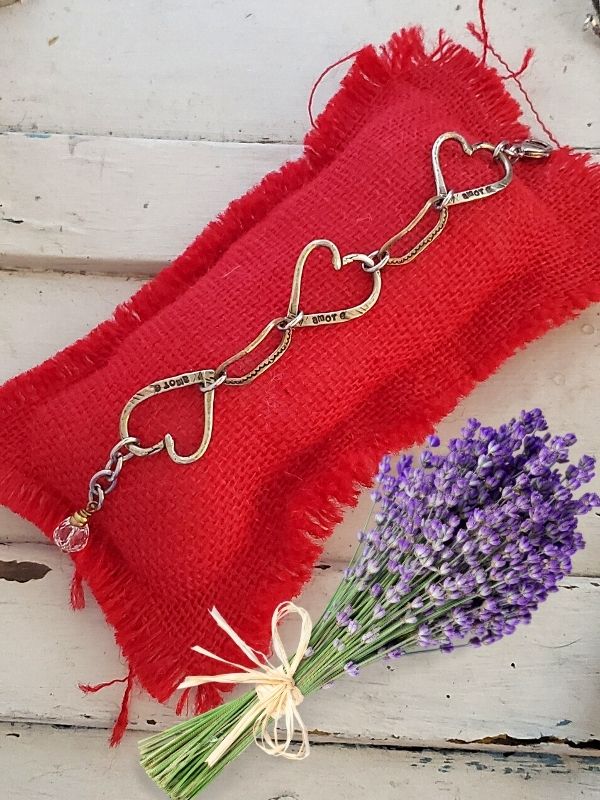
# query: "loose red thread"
[[122, 720], [77, 595], [92, 688], [483, 35], [320, 78]]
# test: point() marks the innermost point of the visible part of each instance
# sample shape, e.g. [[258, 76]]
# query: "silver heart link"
[[72, 534]]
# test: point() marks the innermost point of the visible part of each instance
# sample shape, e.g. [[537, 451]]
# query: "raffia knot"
[[277, 695]]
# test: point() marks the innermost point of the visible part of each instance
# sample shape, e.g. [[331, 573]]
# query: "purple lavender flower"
[[396, 653], [467, 544]]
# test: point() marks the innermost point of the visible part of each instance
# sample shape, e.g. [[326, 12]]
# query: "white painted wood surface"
[[540, 684], [229, 70], [333, 772], [123, 129], [91, 202]]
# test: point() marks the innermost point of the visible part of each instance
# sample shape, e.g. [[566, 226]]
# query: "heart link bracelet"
[[72, 534]]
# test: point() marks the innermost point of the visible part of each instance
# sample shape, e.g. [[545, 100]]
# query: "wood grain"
[[538, 687], [104, 204], [334, 772], [242, 70], [552, 373]]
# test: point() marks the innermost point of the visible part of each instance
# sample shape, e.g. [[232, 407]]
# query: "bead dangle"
[[72, 534]]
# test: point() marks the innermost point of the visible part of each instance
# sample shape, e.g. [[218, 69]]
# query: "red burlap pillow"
[[241, 528]]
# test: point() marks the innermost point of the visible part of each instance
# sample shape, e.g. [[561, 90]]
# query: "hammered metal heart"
[[311, 319], [452, 198], [203, 378]]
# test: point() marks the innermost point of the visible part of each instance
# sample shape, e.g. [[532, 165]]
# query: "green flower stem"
[[176, 758]]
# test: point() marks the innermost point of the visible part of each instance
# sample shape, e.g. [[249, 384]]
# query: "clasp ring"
[[477, 192]]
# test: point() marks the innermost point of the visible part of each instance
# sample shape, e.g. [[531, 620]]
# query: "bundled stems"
[[464, 547], [185, 774]]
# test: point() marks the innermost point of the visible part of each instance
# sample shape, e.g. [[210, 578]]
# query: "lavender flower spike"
[[468, 543], [465, 545]]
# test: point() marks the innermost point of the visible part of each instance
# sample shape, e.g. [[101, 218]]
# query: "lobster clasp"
[[530, 148], [592, 21]]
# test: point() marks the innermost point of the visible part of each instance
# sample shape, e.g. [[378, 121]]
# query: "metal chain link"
[[592, 20], [105, 480]]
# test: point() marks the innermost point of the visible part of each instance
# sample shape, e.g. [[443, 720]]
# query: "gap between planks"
[[36, 133], [498, 745], [550, 745], [338, 772], [535, 690], [125, 206]]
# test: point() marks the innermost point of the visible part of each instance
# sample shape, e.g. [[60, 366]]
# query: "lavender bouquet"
[[463, 548]]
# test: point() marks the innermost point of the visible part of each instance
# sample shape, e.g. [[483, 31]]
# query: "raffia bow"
[[278, 697]]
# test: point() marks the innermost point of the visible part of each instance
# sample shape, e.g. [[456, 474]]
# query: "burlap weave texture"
[[241, 528]]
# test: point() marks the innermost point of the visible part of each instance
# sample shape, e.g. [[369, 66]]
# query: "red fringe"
[[122, 720], [319, 507], [183, 702], [209, 696], [121, 724], [77, 595]]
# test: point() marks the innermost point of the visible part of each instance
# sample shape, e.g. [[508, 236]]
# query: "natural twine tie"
[[278, 697]]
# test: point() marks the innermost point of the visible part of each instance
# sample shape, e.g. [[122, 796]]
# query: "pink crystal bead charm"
[[71, 537]]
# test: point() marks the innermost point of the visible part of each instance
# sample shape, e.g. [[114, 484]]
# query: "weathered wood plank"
[[553, 373], [41, 313], [243, 70], [336, 772], [101, 204], [117, 205], [537, 687]]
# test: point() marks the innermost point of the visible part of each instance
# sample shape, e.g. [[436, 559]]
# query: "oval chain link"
[[105, 480], [266, 362], [435, 204], [207, 380]]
